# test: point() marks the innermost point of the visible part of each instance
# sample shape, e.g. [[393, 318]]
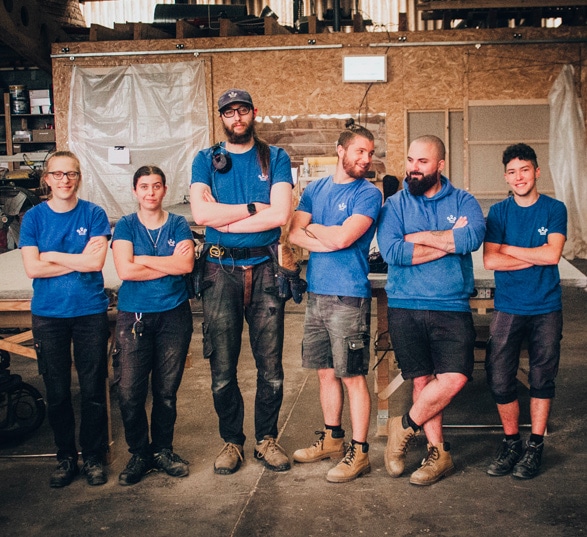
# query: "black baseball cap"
[[234, 95]]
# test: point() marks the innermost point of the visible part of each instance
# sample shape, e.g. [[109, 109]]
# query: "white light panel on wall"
[[364, 69]]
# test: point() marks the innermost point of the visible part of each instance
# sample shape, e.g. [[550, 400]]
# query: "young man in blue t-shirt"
[[335, 221], [523, 245]]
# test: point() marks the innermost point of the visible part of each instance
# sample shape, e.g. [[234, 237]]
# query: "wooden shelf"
[[27, 122]]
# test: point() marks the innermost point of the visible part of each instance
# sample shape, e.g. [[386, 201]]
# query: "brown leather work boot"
[[397, 446], [229, 459], [325, 447], [272, 455], [437, 464], [355, 464]]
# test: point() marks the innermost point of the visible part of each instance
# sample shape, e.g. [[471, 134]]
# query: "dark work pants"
[[53, 343], [159, 353], [224, 314]]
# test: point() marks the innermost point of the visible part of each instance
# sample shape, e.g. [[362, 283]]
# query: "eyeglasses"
[[72, 176], [241, 110]]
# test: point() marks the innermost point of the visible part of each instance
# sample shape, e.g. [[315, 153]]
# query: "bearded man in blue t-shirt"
[[241, 190], [335, 221], [524, 242]]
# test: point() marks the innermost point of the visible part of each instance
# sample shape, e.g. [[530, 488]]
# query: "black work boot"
[[529, 465], [171, 463], [93, 469], [136, 468], [63, 475], [508, 455]]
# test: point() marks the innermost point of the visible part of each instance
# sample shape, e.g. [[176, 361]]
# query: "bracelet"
[[309, 233]]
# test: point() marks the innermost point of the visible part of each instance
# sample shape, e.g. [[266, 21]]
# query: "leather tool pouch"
[[195, 279]]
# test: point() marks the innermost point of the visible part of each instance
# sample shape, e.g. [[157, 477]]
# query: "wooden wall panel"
[[517, 72], [425, 77]]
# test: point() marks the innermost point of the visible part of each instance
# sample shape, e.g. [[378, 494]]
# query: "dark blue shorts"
[[428, 342], [506, 335]]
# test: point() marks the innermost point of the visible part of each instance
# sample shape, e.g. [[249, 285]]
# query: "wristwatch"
[[251, 208]]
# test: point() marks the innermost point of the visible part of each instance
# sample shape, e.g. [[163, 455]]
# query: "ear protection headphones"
[[221, 160]]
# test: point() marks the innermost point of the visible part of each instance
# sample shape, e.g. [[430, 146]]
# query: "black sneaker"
[[136, 468], [94, 472], [508, 455], [529, 465], [64, 473], [171, 463]]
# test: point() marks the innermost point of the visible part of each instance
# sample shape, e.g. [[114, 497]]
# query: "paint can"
[[19, 99]]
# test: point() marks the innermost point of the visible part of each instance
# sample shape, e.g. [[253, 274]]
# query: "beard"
[[352, 170], [419, 184], [239, 139]]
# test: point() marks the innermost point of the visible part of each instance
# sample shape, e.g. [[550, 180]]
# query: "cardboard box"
[[38, 110], [39, 94], [43, 135], [40, 102]]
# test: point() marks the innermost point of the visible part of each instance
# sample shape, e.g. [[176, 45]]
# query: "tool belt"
[[221, 252]]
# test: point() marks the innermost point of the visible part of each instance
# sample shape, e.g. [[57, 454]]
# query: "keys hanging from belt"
[[138, 327]]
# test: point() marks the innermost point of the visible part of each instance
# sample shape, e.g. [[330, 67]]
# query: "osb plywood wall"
[[428, 71]]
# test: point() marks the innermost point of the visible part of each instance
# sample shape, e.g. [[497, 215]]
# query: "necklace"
[[154, 242]]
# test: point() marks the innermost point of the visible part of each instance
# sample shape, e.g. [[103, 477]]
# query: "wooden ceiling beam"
[[432, 5], [29, 32]]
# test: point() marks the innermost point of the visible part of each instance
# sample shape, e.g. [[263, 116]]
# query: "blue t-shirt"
[[77, 293], [161, 294], [445, 284], [244, 183], [535, 290], [343, 272]]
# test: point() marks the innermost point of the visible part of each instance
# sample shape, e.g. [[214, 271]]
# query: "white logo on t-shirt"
[[171, 243], [82, 231], [451, 219], [542, 230], [263, 177], [342, 206]]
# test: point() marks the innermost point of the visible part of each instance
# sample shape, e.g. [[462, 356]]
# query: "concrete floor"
[[258, 502]]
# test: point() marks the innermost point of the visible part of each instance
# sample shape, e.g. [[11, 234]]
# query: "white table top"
[[16, 285], [570, 276]]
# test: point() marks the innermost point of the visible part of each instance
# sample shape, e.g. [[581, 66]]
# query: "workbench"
[[387, 375]]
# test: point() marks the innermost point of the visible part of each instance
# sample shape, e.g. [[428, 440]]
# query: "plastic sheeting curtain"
[[157, 111], [567, 159]]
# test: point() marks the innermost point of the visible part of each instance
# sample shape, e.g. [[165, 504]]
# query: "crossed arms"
[[51, 264], [235, 218], [319, 238], [506, 257], [132, 267], [432, 245]]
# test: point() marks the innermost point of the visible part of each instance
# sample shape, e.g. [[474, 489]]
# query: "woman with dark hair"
[[152, 250], [64, 242]]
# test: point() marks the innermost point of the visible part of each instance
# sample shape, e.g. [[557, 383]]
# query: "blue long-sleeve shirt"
[[444, 284]]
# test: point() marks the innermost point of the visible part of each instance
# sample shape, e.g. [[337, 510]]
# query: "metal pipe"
[[31, 456], [404, 43], [195, 52]]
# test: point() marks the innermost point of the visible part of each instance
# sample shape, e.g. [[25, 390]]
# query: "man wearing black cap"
[[242, 191]]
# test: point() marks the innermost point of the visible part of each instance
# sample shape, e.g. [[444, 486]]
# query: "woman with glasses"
[[64, 243], [152, 250]]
